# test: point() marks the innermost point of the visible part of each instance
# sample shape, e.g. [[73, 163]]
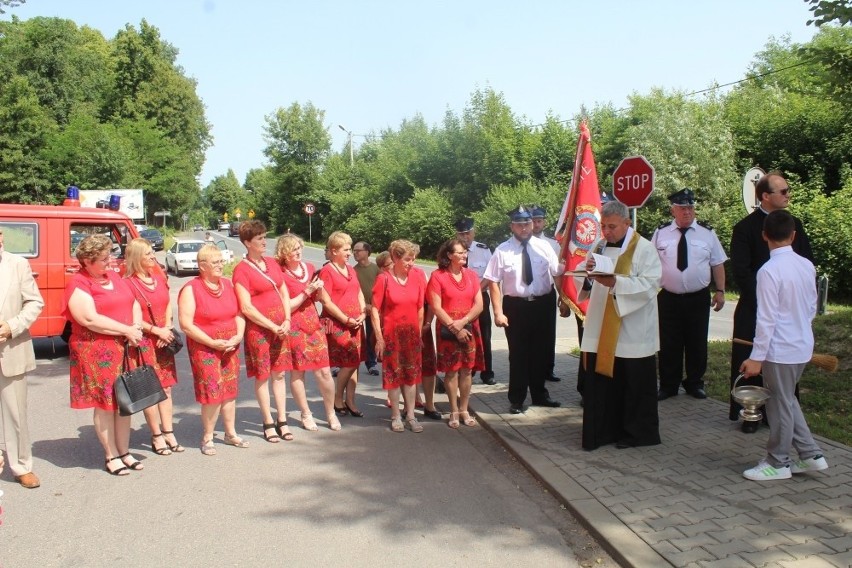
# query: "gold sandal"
[[454, 420], [467, 419]]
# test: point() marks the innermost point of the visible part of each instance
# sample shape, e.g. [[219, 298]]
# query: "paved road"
[[360, 497]]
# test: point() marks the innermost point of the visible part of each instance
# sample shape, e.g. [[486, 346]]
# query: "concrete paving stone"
[[842, 560], [809, 562], [706, 509], [806, 508], [654, 537], [676, 509], [641, 516], [835, 517], [770, 556], [727, 562], [809, 548], [692, 555], [773, 539], [701, 527], [725, 549], [738, 529], [802, 496], [833, 492], [694, 541], [838, 544], [771, 502], [669, 521]]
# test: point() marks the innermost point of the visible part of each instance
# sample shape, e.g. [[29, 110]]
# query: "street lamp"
[[351, 151]]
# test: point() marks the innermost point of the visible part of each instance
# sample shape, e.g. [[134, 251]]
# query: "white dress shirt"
[[786, 306], [506, 267], [703, 252]]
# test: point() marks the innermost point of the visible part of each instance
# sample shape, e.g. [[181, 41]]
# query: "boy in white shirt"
[[783, 345]]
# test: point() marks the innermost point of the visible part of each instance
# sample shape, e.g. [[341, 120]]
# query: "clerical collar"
[[618, 244]]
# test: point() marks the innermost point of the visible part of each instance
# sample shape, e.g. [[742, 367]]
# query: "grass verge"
[[825, 397]]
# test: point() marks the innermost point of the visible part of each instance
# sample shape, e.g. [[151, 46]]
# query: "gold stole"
[[611, 325]]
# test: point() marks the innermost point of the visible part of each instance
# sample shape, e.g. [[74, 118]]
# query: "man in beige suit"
[[20, 305]]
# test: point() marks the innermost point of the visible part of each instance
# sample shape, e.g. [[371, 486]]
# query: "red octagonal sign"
[[633, 181]]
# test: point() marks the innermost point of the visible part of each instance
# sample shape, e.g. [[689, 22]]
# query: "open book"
[[604, 266]]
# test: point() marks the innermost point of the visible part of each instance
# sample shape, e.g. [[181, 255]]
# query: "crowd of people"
[[648, 311]]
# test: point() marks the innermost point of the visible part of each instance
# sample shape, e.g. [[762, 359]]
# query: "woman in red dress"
[[210, 316], [308, 345], [345, 308], [105, 320], [265, 303], [397, 312], [151, 289], [456, 298]]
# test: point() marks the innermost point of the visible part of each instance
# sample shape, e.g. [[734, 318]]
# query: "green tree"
[[24, 175], [66, 65], [297, 145], [149, 85], [224, 194], [689, 145], [827, 11]]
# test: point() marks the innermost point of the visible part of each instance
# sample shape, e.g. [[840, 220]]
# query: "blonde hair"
[[92, 247], [401, 248], [287, 244], [338, 240], [134, 254], [207, 252]]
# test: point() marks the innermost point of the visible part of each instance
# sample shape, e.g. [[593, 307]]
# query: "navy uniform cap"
[[684, 197], [606, 198], [519, 214], [463, 225], [537, 212]]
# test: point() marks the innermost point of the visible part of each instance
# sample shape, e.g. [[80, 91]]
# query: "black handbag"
[[447, 333], [137, 389], [176, 343]]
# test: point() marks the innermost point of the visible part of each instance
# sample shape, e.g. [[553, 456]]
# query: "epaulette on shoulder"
[[705, 225], [666, 224]]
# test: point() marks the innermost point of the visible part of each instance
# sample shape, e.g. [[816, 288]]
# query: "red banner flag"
[[580, 219]]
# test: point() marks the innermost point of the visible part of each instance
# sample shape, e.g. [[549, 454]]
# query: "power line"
[[707, 90]]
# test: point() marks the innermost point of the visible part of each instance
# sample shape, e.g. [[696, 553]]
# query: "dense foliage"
[[79, 109]]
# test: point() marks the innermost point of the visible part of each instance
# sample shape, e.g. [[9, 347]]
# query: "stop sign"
[[633, 181]]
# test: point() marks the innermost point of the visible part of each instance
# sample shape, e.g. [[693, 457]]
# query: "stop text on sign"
[[636, 181]]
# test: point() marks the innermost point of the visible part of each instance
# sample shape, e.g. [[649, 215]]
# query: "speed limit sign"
[[310, 209]]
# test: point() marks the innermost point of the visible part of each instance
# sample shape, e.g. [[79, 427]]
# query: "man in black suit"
[[748, 253]]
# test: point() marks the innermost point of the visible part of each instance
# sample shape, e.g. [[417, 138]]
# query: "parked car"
[[234, 230], [223, 226], [197, 228], [182, 257], [154, 237]]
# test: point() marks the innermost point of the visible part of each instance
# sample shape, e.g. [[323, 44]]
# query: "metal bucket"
[[750, 397]]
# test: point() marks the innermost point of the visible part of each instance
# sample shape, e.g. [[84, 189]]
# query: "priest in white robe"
[[621, 337]]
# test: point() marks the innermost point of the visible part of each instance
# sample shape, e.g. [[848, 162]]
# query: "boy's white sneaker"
[[765, 472], [816, 463]]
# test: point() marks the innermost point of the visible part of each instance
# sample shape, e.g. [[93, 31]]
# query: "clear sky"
[[369, 64]]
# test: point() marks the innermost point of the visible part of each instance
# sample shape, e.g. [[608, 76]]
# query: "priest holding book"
[[620, 337]]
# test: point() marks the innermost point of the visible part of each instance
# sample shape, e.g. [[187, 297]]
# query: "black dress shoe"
[[663, 395], [749, 427], [697, 393], [548, 402], [432, 414], [487, 379], [625, 443], [516, 409], [553, 379]]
